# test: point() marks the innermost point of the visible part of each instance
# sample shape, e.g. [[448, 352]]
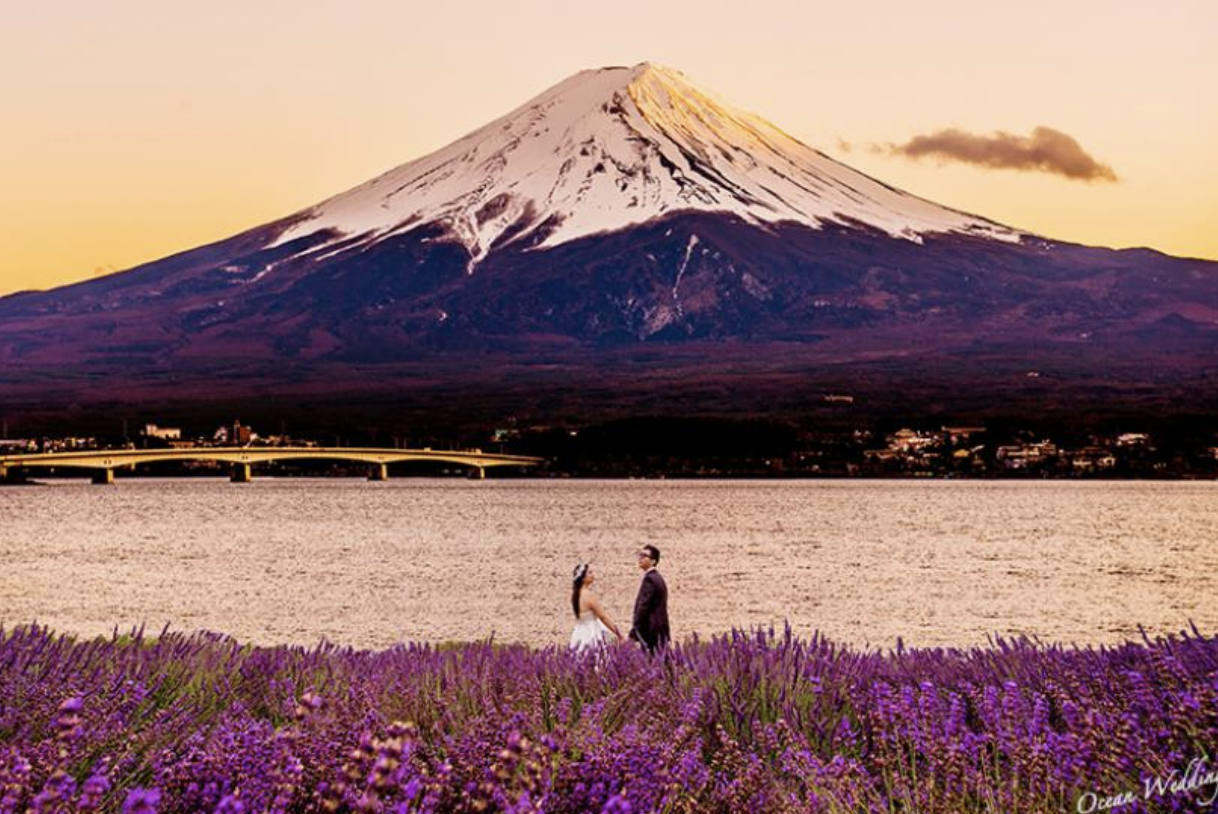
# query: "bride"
[[592, 626]]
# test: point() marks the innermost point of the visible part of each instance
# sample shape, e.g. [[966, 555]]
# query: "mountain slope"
[[622, 209]]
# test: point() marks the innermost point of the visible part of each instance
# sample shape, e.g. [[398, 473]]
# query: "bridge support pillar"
[[103, 477], [241, 474], [378, 472], [477, 473]]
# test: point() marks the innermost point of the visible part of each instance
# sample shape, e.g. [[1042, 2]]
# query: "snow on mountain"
[[615, 147]]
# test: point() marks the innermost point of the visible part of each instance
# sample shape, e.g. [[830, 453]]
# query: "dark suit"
[[650, 624]]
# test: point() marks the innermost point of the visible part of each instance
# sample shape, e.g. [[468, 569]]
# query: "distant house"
[[1012, 457], [958, 435], [1021, 456], [907, 440], [237, 435], [67, 443], [162, 433], [1090, 458]]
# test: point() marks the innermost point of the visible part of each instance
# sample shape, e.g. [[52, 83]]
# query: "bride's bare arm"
[[595, 607]]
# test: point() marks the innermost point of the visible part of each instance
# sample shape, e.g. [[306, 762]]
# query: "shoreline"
[[995, 642], [889, 477]]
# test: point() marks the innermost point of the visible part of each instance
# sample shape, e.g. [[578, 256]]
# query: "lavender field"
[[757, 721]]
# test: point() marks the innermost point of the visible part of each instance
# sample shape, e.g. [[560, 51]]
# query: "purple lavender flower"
[[67, 718], [142, 801], [230, 804], [754, 721], [617, 804], [94, 790]]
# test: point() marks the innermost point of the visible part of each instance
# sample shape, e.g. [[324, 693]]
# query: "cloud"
[[1045, 150], [870, 147]]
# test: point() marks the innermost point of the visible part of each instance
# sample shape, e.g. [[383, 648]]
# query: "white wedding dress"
[[589, 632]]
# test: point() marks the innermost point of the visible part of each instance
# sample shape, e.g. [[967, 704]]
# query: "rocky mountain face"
[[623, 230]]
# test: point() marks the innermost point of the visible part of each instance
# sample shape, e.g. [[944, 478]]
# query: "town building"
[[1023, 456], [162, 433]]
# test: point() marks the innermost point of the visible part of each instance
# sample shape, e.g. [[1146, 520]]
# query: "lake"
[[372, 564]]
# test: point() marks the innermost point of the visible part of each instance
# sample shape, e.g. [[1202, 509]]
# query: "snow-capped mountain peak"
[[615, 147], [637, 242]]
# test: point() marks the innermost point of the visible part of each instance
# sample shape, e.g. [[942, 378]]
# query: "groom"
[[650, 623]]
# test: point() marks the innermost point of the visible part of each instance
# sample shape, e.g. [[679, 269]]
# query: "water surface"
[[371, 564]]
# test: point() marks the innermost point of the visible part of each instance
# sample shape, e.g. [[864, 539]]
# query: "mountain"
[[612, 149], [631, 237]]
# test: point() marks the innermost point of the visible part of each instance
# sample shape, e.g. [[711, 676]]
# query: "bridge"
[[101, 463]]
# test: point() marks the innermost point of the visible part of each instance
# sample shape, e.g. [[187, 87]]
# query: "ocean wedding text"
[[1195, 776]]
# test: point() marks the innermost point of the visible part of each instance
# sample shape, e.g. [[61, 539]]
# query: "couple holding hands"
[[649, 625]]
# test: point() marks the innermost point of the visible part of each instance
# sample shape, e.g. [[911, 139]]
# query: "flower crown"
[[580, 572]]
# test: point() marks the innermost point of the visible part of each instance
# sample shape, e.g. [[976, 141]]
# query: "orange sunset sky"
[[134, 129]]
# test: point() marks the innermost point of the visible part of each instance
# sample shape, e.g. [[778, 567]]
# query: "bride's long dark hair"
[[577, 585]]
